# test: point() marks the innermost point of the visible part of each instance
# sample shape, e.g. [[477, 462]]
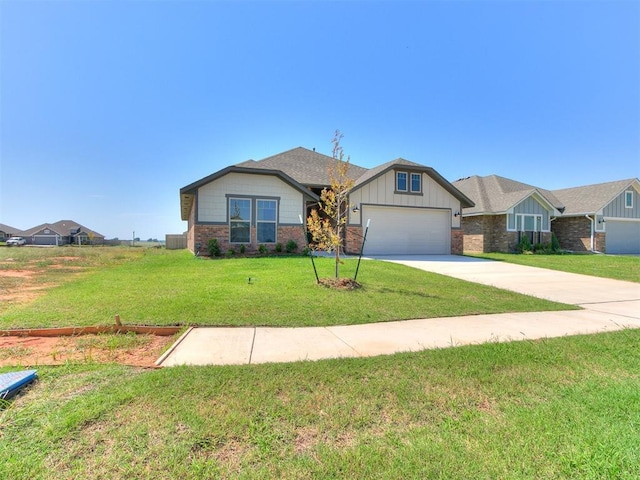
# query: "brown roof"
[[307, 167], [62, 227]]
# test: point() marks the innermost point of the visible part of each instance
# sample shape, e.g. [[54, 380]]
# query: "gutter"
[[593, 226]]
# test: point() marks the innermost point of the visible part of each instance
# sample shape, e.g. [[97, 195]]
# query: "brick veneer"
[[203, 233], [574, 233], [457, 241], [353, 242], [488, 233]]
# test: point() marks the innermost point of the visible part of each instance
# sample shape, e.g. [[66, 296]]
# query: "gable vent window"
[[628, 199]]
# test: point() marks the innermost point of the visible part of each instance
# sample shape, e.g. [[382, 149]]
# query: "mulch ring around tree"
[[339, 283]]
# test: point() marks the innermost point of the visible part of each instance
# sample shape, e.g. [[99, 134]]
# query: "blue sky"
[[108, 108]]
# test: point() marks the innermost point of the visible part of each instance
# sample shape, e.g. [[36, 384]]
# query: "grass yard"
[[89, 286], [556, 409], [617, 267]]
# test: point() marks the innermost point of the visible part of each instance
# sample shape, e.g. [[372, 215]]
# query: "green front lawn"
[[554, 409], [160, 287], [617, 267]]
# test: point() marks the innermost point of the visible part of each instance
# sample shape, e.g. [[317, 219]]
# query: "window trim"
[[536, 217], [628, 194], [406, 179], [419, 175], [274, 222], [249, 221]]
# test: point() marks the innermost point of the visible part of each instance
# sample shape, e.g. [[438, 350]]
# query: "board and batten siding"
[[616, 207], [381, 191], [212, 197], [529, 206]]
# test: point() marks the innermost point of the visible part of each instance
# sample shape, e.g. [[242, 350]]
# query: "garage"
[[45, 240], [623, 236], [407, 231]]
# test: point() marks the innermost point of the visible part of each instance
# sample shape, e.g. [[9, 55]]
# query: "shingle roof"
[[494, 194], [62, 227], [8, 229], [590, 199], [305, 166]]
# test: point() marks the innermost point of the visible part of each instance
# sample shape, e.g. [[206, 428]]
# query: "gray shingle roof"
[[305, 166], [590, 199], [494, 194], [8, 229], [62, 227]]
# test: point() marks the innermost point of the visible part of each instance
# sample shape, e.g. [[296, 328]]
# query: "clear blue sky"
[[108, 108]]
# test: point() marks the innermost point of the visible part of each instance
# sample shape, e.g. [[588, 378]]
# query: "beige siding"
[[381, 191], [212, 197]]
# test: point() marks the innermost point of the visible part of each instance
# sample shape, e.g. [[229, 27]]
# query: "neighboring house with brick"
[[7, 232], [410, 208], [64, 232], [604, 217], [504, 212]]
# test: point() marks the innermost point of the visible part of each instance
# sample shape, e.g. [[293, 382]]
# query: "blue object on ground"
[[12, 382]]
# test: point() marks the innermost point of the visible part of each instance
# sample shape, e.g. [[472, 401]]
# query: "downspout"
[[592, 220]]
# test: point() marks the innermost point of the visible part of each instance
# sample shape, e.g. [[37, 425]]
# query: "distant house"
[[64, 232], [505, 210], [411, 208], [6, 232], [602, 218]]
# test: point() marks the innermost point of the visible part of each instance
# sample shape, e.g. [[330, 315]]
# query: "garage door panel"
[[623, 237], [402, 230]]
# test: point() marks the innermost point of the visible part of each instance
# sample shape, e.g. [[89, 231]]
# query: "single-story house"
[[604, 217], [410, 208], [64, 232], [7, 232], [504, 212]]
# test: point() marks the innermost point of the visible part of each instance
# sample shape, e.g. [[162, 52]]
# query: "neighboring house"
[[604, 217], [504, 212], [63, 232], [7, 232], [410, 208]]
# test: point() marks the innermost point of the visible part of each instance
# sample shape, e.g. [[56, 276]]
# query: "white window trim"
[[419, 175], [275, 222], [398, 189], [628, 194], [535, 222]]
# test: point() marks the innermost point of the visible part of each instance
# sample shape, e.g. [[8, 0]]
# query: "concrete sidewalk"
[[608, 305]]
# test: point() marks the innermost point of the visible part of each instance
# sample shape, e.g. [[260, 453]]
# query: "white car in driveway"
[[16, 242]]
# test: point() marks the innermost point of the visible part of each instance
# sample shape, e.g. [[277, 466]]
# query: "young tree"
[[326, 223]]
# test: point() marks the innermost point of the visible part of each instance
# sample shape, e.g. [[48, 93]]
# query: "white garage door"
[[623, 237], [405, 230]]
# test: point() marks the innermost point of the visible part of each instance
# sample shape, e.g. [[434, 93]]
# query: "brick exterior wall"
[[353, 240], [574, 233], [488, 233], [203, 233], [457, 241]]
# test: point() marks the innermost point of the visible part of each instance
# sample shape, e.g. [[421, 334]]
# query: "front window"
[[628, 199], [239, 220], [266, 222], [416, 182], [401, 181]]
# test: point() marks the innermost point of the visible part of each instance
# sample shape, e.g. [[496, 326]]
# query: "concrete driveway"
[[608, 305]]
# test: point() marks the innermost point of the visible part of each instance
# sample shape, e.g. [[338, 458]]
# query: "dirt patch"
[[339, 283], [141, 350]]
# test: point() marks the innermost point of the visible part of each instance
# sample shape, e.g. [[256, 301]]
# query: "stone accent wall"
[[574, 233], [353, 241], [457, 241], [204, 233]]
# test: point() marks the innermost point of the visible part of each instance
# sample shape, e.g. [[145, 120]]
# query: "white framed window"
[[416, 182], [239, 220], [401, 181], [526, 222], [266, 220], [628, 199]]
